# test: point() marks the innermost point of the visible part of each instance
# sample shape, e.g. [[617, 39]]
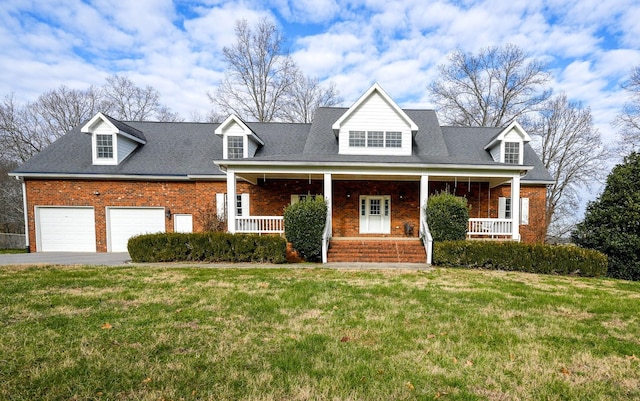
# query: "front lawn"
[[5, 251], [142, 333]]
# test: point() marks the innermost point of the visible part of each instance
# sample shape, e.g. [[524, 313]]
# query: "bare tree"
[[628, 122], [11, 214], [572, 151], [132, 103], [22, 132], [489, 89], [305, 96]]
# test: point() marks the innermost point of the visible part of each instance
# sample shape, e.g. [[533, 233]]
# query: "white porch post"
[[515, 207], [424, 196], [231, 201], [328, 196]]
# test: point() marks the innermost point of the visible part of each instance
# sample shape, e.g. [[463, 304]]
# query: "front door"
[[374, 214]]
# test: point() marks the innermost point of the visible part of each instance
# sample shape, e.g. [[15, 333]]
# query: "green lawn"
[[21, 250], [149, 333]]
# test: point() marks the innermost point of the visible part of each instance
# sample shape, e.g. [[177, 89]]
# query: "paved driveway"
[[65, 258]]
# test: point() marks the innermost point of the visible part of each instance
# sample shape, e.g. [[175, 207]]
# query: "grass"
[[149, 333], [5, 251]]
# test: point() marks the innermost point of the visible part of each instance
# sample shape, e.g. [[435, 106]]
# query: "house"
[[374, 162]]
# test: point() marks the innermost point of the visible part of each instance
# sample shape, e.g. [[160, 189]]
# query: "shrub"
[[611, 222], [447, 216], [514, 256], [303, 226], [207, 247]]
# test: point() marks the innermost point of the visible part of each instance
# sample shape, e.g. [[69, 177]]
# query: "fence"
[[12, 241]]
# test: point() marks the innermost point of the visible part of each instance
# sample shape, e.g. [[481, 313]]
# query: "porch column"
[[515, 207], [424, 196], [328, 196], [231, 201]]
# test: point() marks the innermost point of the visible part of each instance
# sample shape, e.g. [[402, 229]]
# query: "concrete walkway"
[[65, 258], [119, 259]]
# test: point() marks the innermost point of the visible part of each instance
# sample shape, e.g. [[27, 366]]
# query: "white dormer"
[[508, 146], [375, 125], [239, 141], [111, 140]]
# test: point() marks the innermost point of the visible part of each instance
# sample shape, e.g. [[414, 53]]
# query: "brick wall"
[[269, 198]]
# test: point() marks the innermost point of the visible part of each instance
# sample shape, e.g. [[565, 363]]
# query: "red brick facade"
[[269, 198]]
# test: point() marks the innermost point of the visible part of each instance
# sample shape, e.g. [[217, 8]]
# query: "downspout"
[[26, 214]]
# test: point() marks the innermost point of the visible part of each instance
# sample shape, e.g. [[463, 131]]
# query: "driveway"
[[65, 258]]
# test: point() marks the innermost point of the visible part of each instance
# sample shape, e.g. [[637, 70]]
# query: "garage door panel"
[[124, 223], [66, 229]]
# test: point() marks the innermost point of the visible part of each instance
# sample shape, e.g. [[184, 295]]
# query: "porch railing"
[[489, 228], [427, 239], [260, 224]]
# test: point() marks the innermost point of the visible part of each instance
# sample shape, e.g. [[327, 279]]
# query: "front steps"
[[376, 250]]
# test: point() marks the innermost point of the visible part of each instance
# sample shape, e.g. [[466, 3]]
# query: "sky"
[[590, 46]]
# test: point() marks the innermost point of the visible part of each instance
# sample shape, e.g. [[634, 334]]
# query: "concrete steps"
[[373, 250]]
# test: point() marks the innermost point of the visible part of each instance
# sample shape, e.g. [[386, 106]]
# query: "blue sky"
[[175, 46]]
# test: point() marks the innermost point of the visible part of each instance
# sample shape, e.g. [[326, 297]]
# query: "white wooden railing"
[[260, 224], [326, 237], [427, 239], [490, 228]]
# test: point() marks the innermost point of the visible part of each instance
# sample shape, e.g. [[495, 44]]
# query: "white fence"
[[12, 241], [260, 224], [490, 228]]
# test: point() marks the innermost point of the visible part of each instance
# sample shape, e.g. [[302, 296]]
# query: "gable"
[[111, 140], [375, 125]]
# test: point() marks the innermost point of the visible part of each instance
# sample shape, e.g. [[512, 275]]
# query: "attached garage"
[[126, 222], [65, 229]]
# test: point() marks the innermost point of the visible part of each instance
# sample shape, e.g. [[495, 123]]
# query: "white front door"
[[375, 212]]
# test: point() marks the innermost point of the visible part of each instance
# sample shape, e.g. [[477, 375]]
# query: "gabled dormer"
[[375, 125], [239, 141], [508, 146], [111, 140]]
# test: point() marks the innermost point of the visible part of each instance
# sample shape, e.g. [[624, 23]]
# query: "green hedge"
[[514, 256], [303, 226], [448, 217], [207, 247]]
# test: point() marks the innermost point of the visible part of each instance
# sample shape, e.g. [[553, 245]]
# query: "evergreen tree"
[[612, 222]]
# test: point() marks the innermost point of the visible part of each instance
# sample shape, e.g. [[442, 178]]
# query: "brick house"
[[374, 163]]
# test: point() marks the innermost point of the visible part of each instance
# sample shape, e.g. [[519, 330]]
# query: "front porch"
[[368, 207]]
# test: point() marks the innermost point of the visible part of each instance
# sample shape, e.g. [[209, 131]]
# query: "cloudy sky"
[[175, 46]]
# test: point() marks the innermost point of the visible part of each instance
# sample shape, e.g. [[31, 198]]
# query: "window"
[[242, 205], [235, 147], [504, 209], [375, 139], [104, 146], [512, 152], [357, 139], [394, 139]]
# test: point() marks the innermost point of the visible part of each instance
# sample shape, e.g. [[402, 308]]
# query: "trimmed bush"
[[447, 216], [514, 256], [303, 226], [207, 247]]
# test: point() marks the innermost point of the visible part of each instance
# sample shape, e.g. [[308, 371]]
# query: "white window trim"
[[245, 145], [94, 149], [503, 146], [385, 139], [221, 205], [524, 209]]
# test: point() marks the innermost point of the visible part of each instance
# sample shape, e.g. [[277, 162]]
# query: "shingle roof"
[[125, 128], [180, 149]]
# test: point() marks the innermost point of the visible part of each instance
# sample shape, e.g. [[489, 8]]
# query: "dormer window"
[[375, 139], [512, 152], [235, 147], [104, 146]]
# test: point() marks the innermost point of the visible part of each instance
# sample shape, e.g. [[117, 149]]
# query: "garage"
[[65, 229], [126, 222]]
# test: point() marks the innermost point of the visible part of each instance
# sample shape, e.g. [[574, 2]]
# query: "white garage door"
[[65, 229], [124, 223]]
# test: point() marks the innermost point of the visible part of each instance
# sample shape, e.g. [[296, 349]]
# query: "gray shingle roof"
[[180, 149], [125, 128]]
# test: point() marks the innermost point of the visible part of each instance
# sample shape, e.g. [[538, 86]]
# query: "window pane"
[[375, 139], [394, 139], [104, 146], [507, 208], [235, 147], [512, 152], [238, 205], [374, 207], [356, 139]]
